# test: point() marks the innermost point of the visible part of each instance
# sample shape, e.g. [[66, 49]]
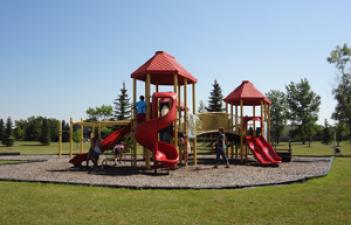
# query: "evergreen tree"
[[2, 129], [45, 135], [341, 56], [278, 113], [303, 109], [327, 135], [202, 107], [8, 139], [122, 104], [215, 101]]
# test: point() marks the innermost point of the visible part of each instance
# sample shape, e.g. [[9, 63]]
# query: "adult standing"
[[220, 146]]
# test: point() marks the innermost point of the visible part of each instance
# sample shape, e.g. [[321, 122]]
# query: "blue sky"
[[57, 58]]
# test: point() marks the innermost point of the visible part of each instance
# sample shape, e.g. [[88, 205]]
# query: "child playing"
[[118, 150]]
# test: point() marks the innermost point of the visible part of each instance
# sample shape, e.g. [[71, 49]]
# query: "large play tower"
[[163, 70]]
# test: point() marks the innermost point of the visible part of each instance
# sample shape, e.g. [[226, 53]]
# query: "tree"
[[2, 129], [278, 113], [8, 139], [327, 135], [45, 135], [99, 113], [202, 107], [303, 109], [122, 104], [341, 56], [215, 101]]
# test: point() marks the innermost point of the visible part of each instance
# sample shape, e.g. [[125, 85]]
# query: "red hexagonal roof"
[[162, 67], [248, 93]]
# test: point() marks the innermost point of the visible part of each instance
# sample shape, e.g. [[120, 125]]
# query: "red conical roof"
[[162, 67], [248, 93]]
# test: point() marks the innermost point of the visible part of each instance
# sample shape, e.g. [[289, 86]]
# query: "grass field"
[[3, 162], [36, 148], [320, 201]]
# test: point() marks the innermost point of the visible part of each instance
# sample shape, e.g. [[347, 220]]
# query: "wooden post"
[[99, 131], [262, 119], [226, 107], [81, 136], [194, 112], [70, 137], [148, 114], [179, 110], [231, 130], [254, 121], [175, 89], [241, 131], [268, 125], [185, 132], [236, 119], [60, 137], [134, 118]]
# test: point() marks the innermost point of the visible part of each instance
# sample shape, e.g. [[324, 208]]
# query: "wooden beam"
[[194, 112], [179, 111], [262, 119], [254, 122], [268, 125], [103, 123], [148, 115], [231, 130], [60, 137], [185, 133], [241, 131], [70, 137], [175, 89], [236, 119], [134, 115], [81, 136]]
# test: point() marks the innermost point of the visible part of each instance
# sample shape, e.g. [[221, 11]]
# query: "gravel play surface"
[[53, 169]]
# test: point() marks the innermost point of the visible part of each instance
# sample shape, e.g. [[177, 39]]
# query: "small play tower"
[[246, 95]]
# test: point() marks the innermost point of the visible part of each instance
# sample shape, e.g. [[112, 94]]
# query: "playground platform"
[[51, 169]]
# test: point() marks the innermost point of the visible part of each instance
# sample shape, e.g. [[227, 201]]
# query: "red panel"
[[162, 67], [248, 93]]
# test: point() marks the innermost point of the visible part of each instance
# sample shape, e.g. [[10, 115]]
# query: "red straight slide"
[[147, 133], [107, 143], [263, 151]]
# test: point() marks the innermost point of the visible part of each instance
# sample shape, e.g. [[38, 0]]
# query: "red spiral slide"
[[107, 143], [147, 133]]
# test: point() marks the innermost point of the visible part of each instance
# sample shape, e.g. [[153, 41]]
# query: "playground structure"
[[247, 95], [163, 70]]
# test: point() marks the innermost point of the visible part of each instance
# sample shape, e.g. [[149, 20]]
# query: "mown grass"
[[3, 162], [320, 201], [317, 148], [23, 147], [32, 147]]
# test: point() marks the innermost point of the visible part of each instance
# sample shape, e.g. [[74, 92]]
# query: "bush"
[[9, 141]]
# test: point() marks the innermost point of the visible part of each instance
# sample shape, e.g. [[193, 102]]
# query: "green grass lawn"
[[317, 148], [3, 162], [320, 201], [36, 148], [30, 147]]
